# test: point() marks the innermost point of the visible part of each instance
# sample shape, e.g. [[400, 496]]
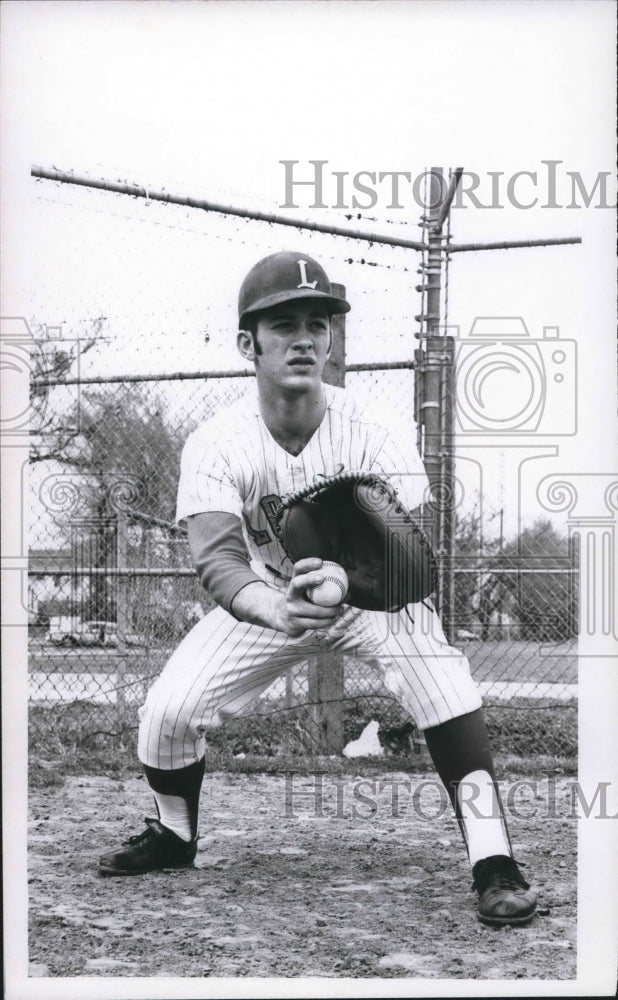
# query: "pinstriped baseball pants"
[[223, 665]]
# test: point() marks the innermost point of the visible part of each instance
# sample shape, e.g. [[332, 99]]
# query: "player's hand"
[[297, 614]]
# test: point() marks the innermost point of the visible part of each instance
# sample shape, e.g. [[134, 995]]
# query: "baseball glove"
[[359, 522]]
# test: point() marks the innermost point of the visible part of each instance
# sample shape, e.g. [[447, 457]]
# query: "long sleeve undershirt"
[[220, 555]]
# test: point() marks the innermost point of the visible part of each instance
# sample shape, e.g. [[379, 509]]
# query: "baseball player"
[[288, 432]]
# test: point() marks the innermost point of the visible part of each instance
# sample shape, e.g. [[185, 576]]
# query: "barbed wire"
[[123, 176], [208, 233]]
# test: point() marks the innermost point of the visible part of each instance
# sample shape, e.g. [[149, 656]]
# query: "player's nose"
[[303, 341]]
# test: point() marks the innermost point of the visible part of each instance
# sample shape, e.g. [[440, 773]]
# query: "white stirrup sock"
[[174, 814], [482, 817]]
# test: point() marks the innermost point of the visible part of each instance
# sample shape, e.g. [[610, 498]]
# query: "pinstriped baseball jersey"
[[233, 464]]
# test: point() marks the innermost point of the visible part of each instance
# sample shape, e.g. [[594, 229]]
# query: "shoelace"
[[502, 875], [143, 837]]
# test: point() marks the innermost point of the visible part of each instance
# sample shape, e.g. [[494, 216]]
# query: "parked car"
[[61, 631], [135, 639], [97, 633], [90, 633], [59, 638]]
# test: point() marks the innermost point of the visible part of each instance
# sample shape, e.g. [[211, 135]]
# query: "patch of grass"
[[79, 738], [533, 727], [527, 736], [513, 766]]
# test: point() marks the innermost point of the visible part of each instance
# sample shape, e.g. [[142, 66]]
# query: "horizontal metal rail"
[[511, 244], [365, 366], [110, 379], [160, 571], [380, 366], [504, 571], [139, 191], [156, 571]]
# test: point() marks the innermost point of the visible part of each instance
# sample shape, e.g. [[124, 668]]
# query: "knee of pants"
[[166, 740], [165, 719]]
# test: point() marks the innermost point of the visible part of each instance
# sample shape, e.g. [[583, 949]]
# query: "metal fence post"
[[122, 613], [436, 382]]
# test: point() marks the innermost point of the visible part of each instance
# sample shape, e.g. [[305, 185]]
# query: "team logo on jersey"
[[269, 505], [304, 283]]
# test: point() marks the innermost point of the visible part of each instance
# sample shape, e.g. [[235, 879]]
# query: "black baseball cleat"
[[155, 848], [504, 895]]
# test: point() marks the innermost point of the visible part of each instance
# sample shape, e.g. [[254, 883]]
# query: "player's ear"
[[245, 344]]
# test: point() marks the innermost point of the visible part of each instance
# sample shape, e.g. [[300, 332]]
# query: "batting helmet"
[[282, 277]]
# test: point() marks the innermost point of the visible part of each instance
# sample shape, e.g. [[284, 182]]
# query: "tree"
[[545, 595], [129, 451], [125, 457], [52, 361], [468, 549], [528, 576]]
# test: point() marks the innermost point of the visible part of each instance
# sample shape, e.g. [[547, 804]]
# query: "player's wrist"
[[259, 604]]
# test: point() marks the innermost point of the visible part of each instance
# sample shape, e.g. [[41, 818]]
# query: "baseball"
[[334, 588]]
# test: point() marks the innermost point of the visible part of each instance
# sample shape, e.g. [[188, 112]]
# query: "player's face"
[[294, 342]]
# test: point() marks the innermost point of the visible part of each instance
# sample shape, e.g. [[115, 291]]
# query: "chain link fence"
[[132, 347]]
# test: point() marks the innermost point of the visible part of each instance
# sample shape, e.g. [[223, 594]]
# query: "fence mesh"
[[125, 311]]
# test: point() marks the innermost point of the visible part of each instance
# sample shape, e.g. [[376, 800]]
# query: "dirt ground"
[[295, 876]]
